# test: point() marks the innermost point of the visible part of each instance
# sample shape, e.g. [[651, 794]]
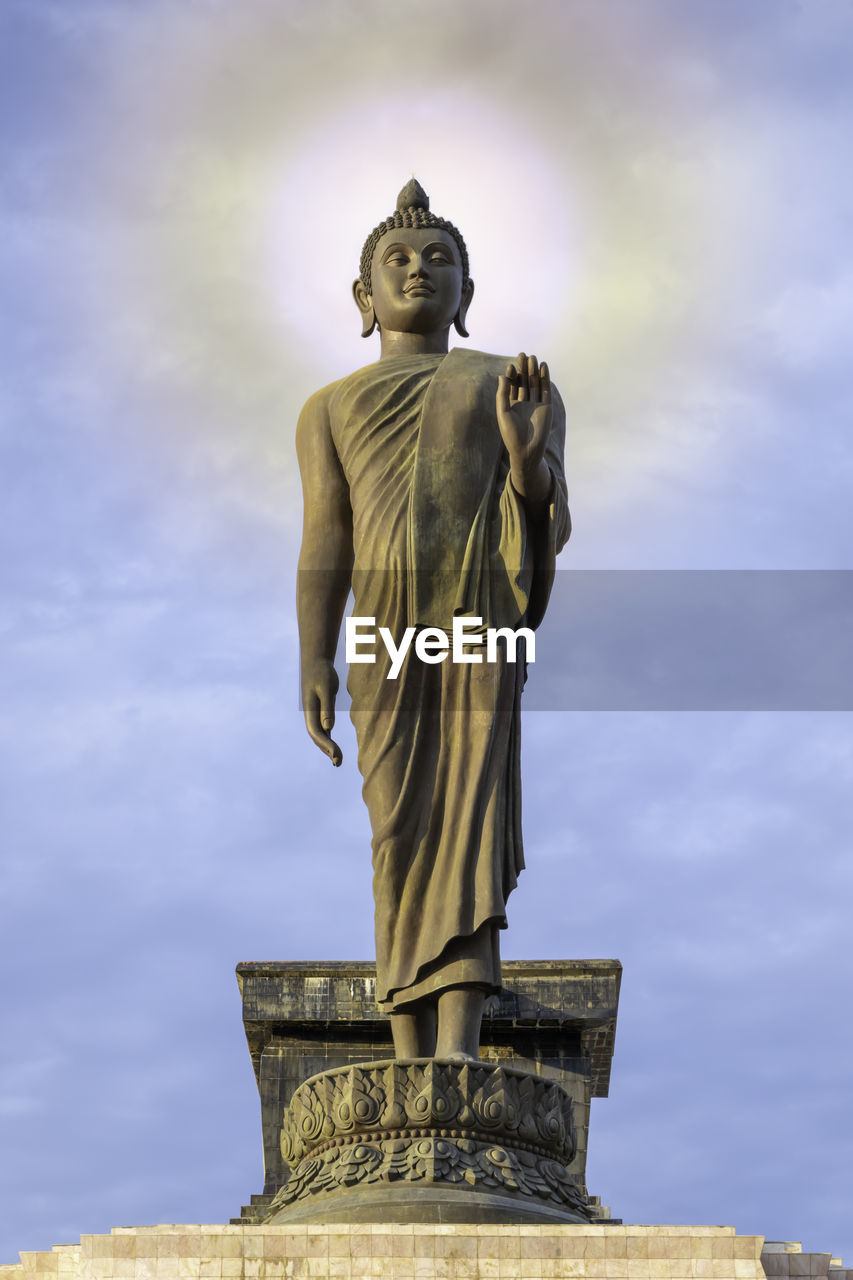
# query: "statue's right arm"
[[325, 569]]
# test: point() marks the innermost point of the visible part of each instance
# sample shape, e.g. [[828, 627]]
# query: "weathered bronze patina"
[[433, 487]]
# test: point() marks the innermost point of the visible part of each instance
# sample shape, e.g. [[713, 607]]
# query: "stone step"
[[601, 1212], [785, 1260], [428, 1251], [255, 1210], [61, 1262]]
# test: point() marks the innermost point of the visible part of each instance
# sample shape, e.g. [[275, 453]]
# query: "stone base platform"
[[554, 1018], [404, 1252]]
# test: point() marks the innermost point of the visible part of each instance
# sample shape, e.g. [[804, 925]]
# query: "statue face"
[[416, 277]]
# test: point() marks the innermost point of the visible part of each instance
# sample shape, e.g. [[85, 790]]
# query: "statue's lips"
[[419, 291]]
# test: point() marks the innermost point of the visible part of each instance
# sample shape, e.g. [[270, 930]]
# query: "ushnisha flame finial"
[[412, 196]]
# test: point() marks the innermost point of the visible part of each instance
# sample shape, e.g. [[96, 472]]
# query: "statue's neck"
[[413, 344]]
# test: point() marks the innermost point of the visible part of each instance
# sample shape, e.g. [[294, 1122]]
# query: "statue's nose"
[[418, 266]]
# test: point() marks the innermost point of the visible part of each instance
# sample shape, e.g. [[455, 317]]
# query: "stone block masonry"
[[403, 1252]]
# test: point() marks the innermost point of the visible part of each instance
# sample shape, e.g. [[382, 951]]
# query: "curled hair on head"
[[412, 211]]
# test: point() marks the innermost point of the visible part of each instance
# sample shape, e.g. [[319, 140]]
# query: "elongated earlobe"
[[461, 314], [368, 323], [364, 302]]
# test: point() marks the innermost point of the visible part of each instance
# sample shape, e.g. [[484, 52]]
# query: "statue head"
[[414, 270]]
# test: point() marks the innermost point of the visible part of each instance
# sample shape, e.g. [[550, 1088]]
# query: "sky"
[[657, 198]]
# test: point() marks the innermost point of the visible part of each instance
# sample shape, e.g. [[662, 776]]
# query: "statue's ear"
[[364, 302], [459, 318]]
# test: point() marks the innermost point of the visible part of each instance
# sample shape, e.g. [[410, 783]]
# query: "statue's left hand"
[[524, 418]]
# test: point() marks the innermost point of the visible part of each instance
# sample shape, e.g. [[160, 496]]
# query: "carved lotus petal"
[[448, 1160], [417, 1096], [421, 1158], [563, 1186], [444, 1105], [340, 1104], [530, 1179], [511, 1101], [553, 1121], [488, 1103], [528, 1100], [289, 1144], [326, 1178], [359, 1101], [395, 1154], [299, 1181], [355, 1163], [394, 1115], [395, 1084], [303, 1124], [446, 1096], [499, 1167], [435, 1099]]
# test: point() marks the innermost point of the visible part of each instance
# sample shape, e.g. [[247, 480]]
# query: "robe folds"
[[439, 532]]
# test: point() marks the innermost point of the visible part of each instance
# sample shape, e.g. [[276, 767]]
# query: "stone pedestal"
[[428, 1140], [554, 1019]]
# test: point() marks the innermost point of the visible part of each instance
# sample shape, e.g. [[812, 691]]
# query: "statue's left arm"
[[532, 423]]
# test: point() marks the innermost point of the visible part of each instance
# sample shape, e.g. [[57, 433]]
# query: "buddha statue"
[[434, 489]]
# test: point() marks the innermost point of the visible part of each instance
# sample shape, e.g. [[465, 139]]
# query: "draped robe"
[[438, 532]]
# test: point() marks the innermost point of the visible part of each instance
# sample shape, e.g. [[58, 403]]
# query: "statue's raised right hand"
[[319, 689]]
